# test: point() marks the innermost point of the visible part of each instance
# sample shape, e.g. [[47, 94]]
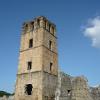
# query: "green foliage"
[[2, 93]]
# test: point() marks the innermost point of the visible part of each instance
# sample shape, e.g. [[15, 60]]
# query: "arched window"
[[45, 24], [32, 24], [38, 22], [28, 89], [51, 64], [50, 45], [49, 27]]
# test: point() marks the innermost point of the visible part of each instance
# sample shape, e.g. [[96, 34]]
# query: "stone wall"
[[80, 89], [49, 86], [38, 61], [75, 88], [34, 78], [95, 92], [67, 88], [7, 98]]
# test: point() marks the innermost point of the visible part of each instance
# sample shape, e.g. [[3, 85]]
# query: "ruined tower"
[[38, 61]]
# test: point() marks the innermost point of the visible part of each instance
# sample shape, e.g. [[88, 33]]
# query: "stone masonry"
[[38, 76], [38, 61], [75, 88]]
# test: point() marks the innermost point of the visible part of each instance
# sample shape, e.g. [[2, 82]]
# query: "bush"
[[2, 93]]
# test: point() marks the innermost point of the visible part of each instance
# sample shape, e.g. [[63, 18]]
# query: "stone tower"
[[38, 61]]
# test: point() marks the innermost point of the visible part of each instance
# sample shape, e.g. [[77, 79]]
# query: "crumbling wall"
[[66, 87], [80, 89], [71, 88], [75, 88], [95, 92]]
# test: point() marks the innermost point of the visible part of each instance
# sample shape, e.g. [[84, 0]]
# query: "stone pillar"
[[35, 24], [47, 25], [42, 22]]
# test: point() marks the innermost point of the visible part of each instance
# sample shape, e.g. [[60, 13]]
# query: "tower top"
[[39, 22], [44, 18]]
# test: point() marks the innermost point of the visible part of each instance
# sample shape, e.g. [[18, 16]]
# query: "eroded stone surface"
[[42, 75]]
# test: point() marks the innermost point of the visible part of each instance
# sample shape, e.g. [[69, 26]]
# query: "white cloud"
[[92, 30]]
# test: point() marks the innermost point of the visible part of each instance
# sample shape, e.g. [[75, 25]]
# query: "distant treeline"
[[2, 93]]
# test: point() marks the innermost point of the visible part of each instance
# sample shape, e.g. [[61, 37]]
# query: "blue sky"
[[77, 23]]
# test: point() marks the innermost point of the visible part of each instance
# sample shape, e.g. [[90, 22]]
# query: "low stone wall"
[[7, 98]]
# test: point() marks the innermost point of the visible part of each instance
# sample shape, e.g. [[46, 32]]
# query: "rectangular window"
[[51, 64], [29, 65], [50, 45], [30, 43]]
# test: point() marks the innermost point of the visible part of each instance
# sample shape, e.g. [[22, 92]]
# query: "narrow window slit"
[[29, 65], [30, 43]]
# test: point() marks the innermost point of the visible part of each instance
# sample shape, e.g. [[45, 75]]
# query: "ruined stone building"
[[38, 76], [38, 61]]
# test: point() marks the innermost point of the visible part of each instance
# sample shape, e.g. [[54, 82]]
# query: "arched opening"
[[49, 27], [45, 24], [51, 64], [69, 92], [32, 24], [38, 22], [28, 89], [50, 45], [53, 30]]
